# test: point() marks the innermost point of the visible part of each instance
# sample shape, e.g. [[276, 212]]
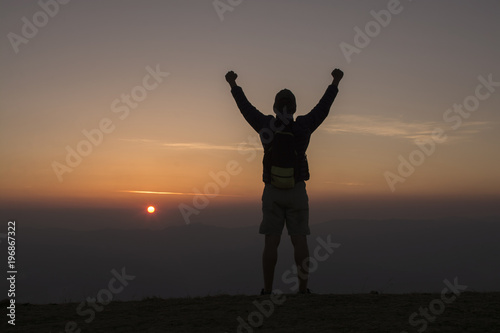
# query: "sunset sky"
[[180, 124]]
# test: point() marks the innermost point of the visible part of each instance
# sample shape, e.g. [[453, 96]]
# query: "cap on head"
[[285, 98]]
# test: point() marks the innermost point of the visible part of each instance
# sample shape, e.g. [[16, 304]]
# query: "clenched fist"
[[231, 78], [337, 76]]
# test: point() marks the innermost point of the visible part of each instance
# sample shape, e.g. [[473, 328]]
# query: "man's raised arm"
[[253, 116], [319, 113]]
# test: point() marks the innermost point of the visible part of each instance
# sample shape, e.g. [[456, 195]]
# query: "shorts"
[[280, 207]]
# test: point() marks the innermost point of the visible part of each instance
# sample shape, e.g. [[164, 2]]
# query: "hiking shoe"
[[263, 292], [306, 292]]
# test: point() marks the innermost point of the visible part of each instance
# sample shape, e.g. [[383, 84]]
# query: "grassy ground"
[[469, 312]]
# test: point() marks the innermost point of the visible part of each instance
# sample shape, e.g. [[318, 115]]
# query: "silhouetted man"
[[285, 171]]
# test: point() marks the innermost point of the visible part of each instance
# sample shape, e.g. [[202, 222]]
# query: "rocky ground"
[[467, 312]]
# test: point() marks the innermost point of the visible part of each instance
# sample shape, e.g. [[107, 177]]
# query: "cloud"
[[397, 128], [175, 193], [347, 183], [350, 184], [243, 146], [201, 146]]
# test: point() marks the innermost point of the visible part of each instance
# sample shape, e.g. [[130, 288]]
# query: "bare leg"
[[301, 254], [269, 259]]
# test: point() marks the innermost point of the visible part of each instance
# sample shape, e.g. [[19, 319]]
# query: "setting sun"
[[151, 209]]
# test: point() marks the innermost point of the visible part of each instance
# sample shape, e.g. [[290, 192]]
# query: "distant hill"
[[389, 256]]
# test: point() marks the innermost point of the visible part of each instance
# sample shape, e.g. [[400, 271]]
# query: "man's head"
[[284, 103]]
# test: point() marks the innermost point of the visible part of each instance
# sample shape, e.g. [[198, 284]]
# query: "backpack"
[[283, 159]]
